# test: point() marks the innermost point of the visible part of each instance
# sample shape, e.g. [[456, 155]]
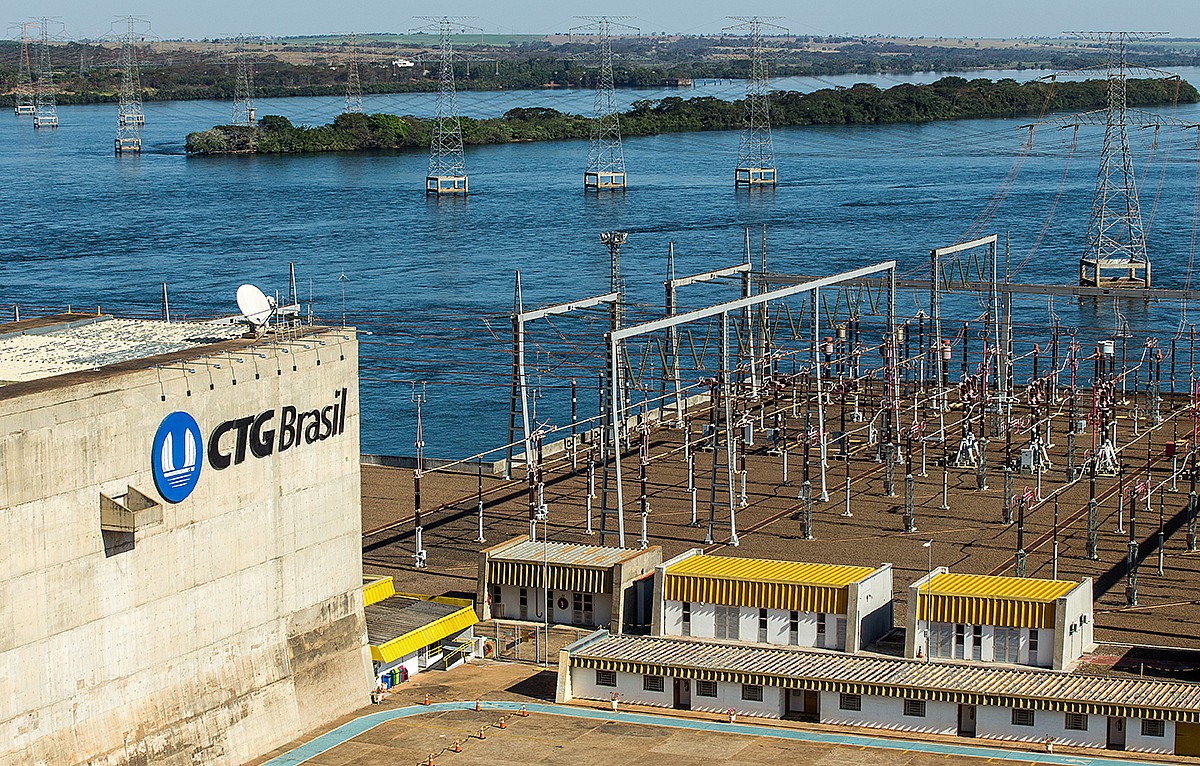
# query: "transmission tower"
[[1115, 248], [45, 109], [130, 117], [243, 86], [354, 95], [23, 94], [606, 159], [447, 167], [756, 155]]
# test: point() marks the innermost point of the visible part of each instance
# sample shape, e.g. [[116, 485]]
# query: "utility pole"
[[243, 86], [354, 95], [130, 117], [45, 108], [756, 154], [23, 99], [447, 167], [606, 159]]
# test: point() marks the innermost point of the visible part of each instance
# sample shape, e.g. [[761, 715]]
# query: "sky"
[[965, 18]]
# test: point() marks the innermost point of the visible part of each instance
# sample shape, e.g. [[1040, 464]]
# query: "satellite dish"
[[255, 306]]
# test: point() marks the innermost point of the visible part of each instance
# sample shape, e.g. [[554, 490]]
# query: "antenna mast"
[[130, 117], [354, 95], [606, 158], [756, 154], [243, 86], [45, 114], [447, 167], [23, 94]]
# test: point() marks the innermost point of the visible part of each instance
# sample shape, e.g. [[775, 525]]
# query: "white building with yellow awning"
[[788, 603], [988, 618]]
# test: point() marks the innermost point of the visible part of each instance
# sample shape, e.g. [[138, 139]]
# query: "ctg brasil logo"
[[176, 455]]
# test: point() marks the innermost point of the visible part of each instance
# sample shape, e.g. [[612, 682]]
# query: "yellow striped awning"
[[424, 636], [761, 583], [376, 589], [525, 574], [1011, 602]]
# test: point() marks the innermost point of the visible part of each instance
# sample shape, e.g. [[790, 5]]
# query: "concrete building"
[[969, 700], [565, 584], [180, 557], [772, 602], [411, 634], [1014, 620]]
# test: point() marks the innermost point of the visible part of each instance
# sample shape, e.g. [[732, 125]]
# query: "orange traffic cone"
[[457, 748], [430, 761], [477, 706], [426, 698], [501, 723], [524, 712], [481, 734]]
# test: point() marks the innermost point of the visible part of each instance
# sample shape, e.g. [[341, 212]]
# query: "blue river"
[[432, 280]]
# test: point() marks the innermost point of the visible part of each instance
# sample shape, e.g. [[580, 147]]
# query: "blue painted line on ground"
[[351, 729]]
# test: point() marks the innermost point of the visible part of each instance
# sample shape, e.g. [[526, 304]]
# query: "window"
[[960, 640], [977, 643], [820, 629], [841, 634], [687, 619], [727, 622], [752, 692], [794, 629], [914, 708], [550, 605], [1153, 728], [1033, 646], [524, 603], [1022, 717], [850, 701], [762, 626], [606, 678], [942, 642], [652, 683], [581, 611], [706, 688], [1076, 722]]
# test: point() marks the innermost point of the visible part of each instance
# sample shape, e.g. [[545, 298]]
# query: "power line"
[[756, 153]]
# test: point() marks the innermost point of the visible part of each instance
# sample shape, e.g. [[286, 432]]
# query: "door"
[[683, 694], [1116, 733], [966, 720], [812, 706]]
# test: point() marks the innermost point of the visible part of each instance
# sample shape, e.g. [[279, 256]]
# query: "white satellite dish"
[[255, 306]]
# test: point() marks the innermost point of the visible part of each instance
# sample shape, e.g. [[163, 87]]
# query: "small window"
[[762, 626], [706, 688], [850, 701], [606, 678], [752, 692], [1022, 717], [960, 640], [652, 683], [820, 630], [914, 708], [1076, 722], [1033, 643], [794, 628], [1153, 728], [977, 643]]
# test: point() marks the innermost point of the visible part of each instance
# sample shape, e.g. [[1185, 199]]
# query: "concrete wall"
[[703, 624], [888, 713], [629, 687], [1073, 622], [231, 627], [869, 609]]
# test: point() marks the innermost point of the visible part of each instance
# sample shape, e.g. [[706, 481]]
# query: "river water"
[[79, 226]]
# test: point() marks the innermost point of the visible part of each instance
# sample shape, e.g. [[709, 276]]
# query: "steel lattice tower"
[[243, 87], [130, 117], [606, 158], [1116, 236], [447, 167], [756, 153], [23, 102], [354, 95], [45, 108]]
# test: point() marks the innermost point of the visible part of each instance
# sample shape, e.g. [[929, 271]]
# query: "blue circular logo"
[[176, 457]]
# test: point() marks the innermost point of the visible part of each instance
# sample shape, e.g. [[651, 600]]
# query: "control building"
[[565, 584], [180, 533], [788, 603], [411, 634], [1014, 620]]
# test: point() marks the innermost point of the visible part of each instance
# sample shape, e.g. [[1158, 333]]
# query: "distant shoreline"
[[951, 98]]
